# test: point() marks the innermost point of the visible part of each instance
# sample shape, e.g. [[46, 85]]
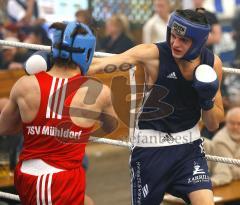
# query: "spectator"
[[84, 16], [186, 4], [209, 149], [227, 144], [10, 30], [10, 145], [236, 36], [37, 35], [22, 11], [155, 28], [216, 32], [10, 57], [231, 86], [117, 40]]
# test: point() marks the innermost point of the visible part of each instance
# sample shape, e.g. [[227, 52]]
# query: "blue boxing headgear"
[[186, 28], [76, 42]]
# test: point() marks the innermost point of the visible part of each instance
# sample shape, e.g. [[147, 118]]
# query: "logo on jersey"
[[199, 175], [172, 75], [54, 132], [56, 98]]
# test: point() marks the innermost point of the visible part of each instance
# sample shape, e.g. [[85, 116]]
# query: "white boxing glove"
[[39, 61], [206, 83]]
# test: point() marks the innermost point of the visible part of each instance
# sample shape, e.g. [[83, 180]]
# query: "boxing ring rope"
[[128, 145], [41, 47], [96, 54], [4, 195], [236, 162], [226, 160]]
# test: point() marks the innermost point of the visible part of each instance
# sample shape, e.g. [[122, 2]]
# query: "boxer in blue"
[[182, 85], [167, 155]]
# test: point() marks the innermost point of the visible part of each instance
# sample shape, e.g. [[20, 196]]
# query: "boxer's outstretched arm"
[[10, 119], [144, 54]]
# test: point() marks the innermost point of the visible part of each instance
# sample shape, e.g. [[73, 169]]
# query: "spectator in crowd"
[[10, 145], [1, 30], [209, 149], [37, 35], [155, 28], [231, 94], [117, 39], [10, 57], [227, 144], [84, 16], [186, 4], [10, 30], [216, 32], [236, 37], [22, 12]]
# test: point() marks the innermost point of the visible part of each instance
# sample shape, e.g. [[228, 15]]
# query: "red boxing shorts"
[[64, 187]]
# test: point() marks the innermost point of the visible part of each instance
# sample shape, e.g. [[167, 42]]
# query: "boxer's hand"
[[206, 83], [39, 61]]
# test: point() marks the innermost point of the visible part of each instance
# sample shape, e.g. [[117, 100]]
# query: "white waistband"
[[154, 138], [38, 167]]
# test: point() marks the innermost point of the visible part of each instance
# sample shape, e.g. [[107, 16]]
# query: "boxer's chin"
[[177, 55]]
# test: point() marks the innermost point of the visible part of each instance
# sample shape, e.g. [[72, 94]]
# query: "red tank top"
[[52, 136]]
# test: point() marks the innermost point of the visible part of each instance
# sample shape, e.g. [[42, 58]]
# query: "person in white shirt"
[[227, 144], [155, 28]]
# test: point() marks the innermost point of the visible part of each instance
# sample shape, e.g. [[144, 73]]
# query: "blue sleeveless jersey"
[[172, 104]]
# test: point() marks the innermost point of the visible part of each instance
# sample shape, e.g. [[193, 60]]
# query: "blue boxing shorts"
[[177, 169]]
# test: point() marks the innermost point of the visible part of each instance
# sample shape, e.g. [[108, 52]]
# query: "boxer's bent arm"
[[3, 102], [144, 54], [109, 119], [108, 116], [213, 117], [10, 119]]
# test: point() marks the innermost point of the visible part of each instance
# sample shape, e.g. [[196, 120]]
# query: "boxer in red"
[[57, 111]]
